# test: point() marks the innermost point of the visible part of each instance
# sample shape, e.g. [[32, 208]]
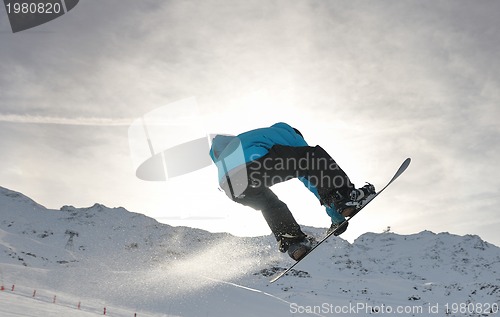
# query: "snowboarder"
[[251, 162]]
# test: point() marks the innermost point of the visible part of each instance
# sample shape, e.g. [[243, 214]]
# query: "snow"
[[131, 264], [13, 305]]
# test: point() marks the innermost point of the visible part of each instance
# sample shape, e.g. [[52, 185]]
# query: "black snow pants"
[[283, 163]]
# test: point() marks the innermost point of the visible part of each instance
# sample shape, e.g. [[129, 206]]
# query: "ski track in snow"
[[256, 291]]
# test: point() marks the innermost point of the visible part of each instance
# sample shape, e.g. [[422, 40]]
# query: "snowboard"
[[400, 171]]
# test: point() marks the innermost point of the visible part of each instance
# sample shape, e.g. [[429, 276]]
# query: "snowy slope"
[[110, 256], [29, 307]]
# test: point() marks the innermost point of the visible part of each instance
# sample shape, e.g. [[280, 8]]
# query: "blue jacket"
[[256, 143], [252, 145], [237, 151]]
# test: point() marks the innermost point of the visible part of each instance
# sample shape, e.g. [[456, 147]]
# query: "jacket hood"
[[219, 143]]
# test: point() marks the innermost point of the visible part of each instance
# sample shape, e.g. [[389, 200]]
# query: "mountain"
[[110, 256]]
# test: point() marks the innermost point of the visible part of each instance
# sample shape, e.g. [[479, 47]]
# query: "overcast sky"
[[372, 82]]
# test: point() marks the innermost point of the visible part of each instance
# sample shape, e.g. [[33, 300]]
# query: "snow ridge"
[[131, 260]]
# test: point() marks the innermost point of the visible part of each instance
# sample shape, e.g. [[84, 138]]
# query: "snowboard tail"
[[398, 173]]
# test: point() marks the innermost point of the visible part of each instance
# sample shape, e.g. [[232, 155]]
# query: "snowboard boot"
[[340, 228], [346, 205], [299, 249], [297, 246]]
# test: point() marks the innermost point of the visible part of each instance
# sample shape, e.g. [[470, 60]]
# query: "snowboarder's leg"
[[275, 212], [333, 187], [281, 221]]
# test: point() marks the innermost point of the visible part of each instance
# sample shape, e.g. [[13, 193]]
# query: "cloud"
[[371, 82], [13, 118]]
